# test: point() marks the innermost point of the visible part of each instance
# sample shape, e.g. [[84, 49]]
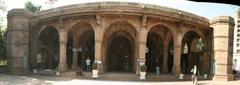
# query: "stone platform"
[[125, 76]]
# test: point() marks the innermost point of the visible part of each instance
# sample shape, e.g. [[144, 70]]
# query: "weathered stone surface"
[[18, 40], [105, 21], [222, 33]]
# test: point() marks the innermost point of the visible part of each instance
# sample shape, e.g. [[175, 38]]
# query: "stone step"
[[118, 76]]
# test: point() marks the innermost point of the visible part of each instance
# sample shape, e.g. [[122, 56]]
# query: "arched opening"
[[154, 53], [81, 44], [48, 49], [120, 55], [170, 56], [119, 47], [159, 49], [192, 52]]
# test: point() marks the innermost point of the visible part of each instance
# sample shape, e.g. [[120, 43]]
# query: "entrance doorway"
[[48, 49], [154, 52], [120, 55]]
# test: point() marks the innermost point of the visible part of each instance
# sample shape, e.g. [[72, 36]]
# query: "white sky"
[[208, 10]]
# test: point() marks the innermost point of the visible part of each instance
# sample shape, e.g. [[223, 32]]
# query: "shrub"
[[94, 66], [57, 69], [143, 68]]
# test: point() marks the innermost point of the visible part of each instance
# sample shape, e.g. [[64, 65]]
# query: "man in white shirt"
[[194, 70], [88, 62]]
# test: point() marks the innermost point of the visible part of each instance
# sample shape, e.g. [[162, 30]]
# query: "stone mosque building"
[[119, 36]]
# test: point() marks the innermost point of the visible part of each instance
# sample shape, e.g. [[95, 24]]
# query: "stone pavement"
[[7, 79]]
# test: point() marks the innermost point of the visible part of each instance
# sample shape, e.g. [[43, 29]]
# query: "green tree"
[[2, 32], [31, 7], [2, 43], [2, 6]]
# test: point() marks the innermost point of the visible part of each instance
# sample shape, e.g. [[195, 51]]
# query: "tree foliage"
[[31, 7], [2, 6], [2, 32], [2, 44]]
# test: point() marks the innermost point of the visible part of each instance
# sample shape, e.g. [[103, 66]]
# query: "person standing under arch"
[[88, 62]]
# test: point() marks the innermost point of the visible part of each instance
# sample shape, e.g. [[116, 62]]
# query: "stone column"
[[75, 53], [75, 60], [223, 27], [205, 62], [18, 41], [177, 55], [165, 57], [142, 49], [63, 49], [98, 51], [98, 47], [98, 44]]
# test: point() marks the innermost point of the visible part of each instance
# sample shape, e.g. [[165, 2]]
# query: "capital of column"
[[98, 19], [144, 21]]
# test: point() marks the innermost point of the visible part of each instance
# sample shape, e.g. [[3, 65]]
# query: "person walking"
[[194, 70]]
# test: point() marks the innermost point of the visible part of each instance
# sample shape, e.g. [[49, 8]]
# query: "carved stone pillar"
[[63, 49], [98, 54], [75, 59], [98, 44], [165, 57], [223, 27], [75, 53], [142, 49], [205, 62], [177, 55]]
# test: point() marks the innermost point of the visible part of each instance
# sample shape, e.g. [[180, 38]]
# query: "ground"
[[7, 79]]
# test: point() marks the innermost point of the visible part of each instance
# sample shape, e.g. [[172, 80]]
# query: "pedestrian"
[[194, 70], [88, 62]]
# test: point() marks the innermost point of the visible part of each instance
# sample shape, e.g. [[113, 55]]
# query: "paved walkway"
[[6, 79]]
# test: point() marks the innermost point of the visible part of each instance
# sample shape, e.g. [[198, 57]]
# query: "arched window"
[[185, 49], [199, 45]]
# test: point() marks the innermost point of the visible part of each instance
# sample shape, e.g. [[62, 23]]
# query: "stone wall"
[[17, 40], [223, 27]]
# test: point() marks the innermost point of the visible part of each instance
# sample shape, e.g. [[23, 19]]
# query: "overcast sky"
[[207, 10]]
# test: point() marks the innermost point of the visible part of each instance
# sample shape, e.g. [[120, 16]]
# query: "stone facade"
[[117, 34], [223, 27]]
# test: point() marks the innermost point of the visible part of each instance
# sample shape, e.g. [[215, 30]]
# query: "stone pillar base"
[[228, 77], [176, 70], [176, 76], [100, 71], [100, 67], [139, 61], [63, 68]]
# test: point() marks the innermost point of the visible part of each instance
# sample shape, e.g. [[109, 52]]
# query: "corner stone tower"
[[223, 28], [18, 40]]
